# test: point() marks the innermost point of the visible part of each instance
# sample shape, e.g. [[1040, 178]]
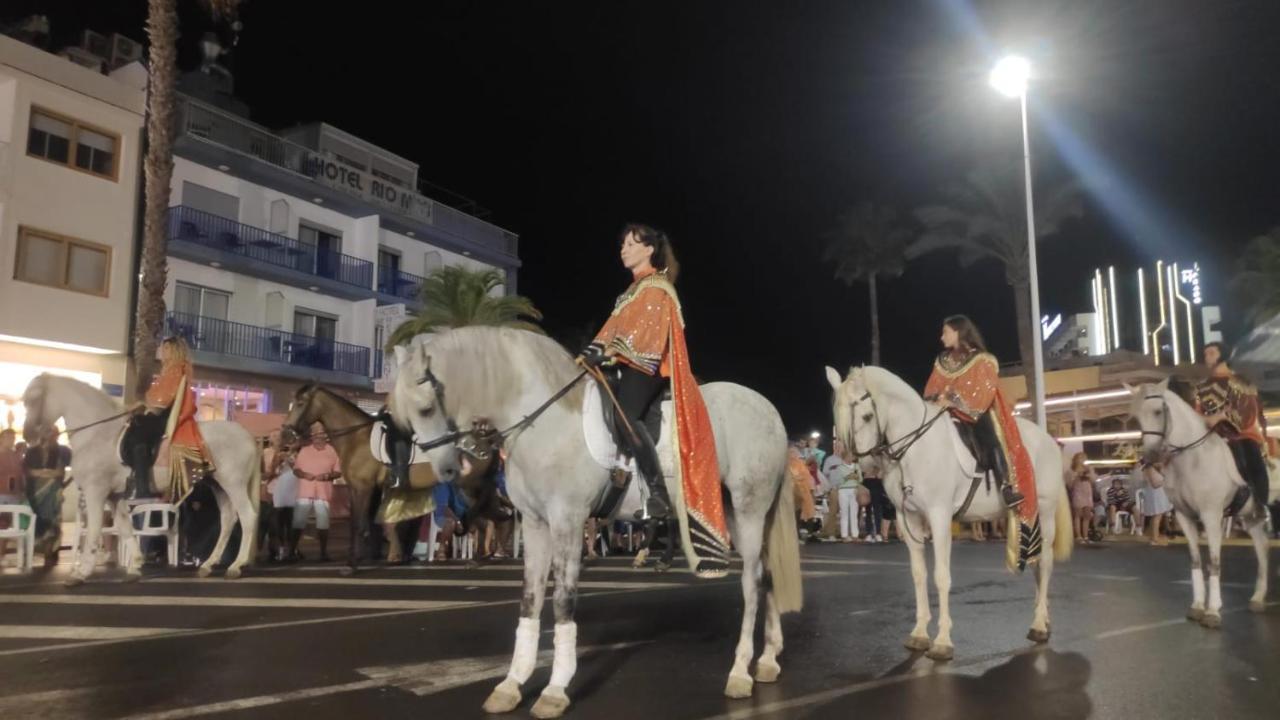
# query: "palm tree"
[[1257, 280], [984, 217], [456, 297], [869, 242], [162, 65]]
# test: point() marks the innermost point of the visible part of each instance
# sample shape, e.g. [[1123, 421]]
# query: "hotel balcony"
[[217, 138], [236, 346]]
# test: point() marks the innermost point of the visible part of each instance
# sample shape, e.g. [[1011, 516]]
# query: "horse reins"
[[885, 446], [1163, 433]]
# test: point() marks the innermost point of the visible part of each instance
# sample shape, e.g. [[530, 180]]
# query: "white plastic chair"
[[22, 527], [1118, 523], [158, 520]]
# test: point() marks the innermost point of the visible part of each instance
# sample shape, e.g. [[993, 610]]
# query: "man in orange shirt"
[[316, 467]]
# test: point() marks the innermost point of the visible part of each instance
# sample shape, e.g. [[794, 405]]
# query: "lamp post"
[[1009, 77]]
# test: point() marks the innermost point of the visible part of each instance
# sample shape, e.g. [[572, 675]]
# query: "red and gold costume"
[[646, 332], [172, 390], [970, 382], [1238, 401]]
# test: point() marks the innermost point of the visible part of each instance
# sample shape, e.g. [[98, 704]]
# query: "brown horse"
[[348, 428]]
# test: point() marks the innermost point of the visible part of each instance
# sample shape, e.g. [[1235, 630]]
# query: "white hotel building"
[[70, 143], [282, 245]]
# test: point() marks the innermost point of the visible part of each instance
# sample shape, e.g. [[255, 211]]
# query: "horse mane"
[[344, 402], [881, 380], [487, 366], [97, 395]]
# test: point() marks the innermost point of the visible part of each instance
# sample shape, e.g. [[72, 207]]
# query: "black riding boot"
[[646, 455], [139, 484], [400, 453], [985, 432]]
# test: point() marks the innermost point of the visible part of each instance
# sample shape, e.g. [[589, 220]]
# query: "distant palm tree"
[[869, 242], [1257, 279], [162, 67], [984, 217], [457, 297]]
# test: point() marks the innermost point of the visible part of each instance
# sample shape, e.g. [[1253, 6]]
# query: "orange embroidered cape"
[[972, 384], [646, 331], [174, 382]]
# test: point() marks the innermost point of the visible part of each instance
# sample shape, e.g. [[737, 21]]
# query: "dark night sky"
[[744, 128]]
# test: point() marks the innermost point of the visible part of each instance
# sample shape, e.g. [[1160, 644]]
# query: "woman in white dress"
[[1155, 503]]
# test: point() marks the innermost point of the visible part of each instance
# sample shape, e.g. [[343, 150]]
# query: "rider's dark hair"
[[664, 258], [1222, 350], [970, 338]]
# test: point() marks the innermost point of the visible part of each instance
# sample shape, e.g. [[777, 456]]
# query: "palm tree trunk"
[[162, 61], [875, 321], [1026, 343]]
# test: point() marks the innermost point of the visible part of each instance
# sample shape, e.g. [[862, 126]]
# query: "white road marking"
[[1118, 578], [212, 601], [410, 582], [1138, 628], [72, 632], [418, 678]]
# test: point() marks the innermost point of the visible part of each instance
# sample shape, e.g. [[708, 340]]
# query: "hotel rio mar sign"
[[336, 174]]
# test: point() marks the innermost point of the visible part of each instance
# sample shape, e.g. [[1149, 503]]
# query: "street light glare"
[[1009, 76]]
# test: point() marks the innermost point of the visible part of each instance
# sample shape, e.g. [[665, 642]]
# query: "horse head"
[[1150, 408], [302, 413], [417, 405], [853, 405], [40, 416]]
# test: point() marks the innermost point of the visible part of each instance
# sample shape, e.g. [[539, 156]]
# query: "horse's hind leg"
[[94, 501], [226, 516], [537, 560], [1213, 533], [914, 539], [246, 510], [1039, 631], [749, 538], [1258, 531], [1196, 613], [942, 647], [123, 523]]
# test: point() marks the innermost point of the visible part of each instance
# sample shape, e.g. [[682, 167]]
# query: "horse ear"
[[420, 352], [1163, 384], [1132, 390], [402, 355], [833, 377]]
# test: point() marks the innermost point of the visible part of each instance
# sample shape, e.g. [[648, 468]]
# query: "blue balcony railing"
[[197, 226], [399, 283], [249, 341]]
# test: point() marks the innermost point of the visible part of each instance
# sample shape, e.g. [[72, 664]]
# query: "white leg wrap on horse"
[[565, 663], [1197, 586], [526, 654]]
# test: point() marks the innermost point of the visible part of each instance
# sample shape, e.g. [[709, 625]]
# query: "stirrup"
[[1011, 497]]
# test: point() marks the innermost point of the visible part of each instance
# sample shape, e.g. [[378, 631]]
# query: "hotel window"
[[326, 249], [315, 325], [62, 262], [69, 142]]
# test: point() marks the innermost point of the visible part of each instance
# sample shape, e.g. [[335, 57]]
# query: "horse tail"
[[1062, 536], [782, 551], [255, 492]]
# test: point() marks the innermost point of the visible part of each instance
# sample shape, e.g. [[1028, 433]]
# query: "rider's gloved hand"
[[592, 356]]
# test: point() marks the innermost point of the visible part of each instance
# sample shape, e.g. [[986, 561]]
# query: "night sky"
[[745, 128]]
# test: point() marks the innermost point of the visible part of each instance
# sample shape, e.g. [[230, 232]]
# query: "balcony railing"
[[211, 125], [249, 341], [399, 283], [197, 226]]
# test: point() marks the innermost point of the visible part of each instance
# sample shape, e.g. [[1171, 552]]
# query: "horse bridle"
[[1163, 433], [884, 446]]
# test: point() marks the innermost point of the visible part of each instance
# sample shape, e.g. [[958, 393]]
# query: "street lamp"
[[1009, 77]]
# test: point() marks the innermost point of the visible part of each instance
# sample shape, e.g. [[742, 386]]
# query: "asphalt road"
[[431, 641]]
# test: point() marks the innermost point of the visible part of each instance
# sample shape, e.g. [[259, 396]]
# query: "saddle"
[[388, 442], [605, 436]]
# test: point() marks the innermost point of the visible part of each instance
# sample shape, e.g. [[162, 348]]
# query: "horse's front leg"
[[940, 523], [566, 562], [1196, 613], [95, 500], [1213, 533], [537, 560], [1258, 531], [913, 535], [128, 540], [360, 499]]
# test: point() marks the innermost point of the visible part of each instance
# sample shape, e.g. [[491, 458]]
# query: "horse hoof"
[[941, 653], [640, 558], [394, 559], [662, 567], [768, 672], [346, 571], [917, 643], [74, 581], [1257, 606], [1195, 614], [233, 573], [738, 687], [133, 576], [551, 703], [204, 571], [1038, 636], [1213, 621], [504, 698]]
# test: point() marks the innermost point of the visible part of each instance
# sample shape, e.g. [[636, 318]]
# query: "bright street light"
[[1010, 77], [815, 434]]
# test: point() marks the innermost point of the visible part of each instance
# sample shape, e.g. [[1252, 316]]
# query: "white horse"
[[928, 486], [1200, 479], [96, 468], [503, 375]]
